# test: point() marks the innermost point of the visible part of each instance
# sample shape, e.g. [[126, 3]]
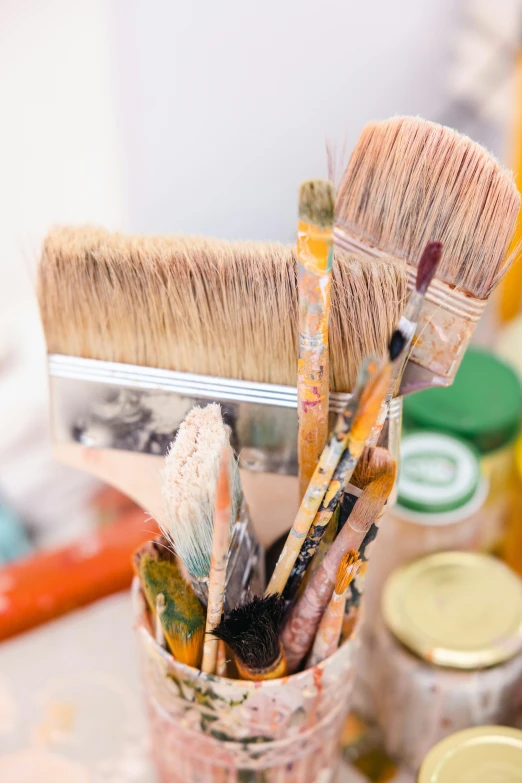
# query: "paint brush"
[[218, 563], [181, 615], [350, 434], [252, 632], [140, 329], [338, 485], [304, 617], [189, 483], [375, 461], [409, 181], [329, 502], [403, 335], [329, 632], [315, 254]]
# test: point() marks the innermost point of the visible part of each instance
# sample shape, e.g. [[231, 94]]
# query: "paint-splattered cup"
[[210, 729]]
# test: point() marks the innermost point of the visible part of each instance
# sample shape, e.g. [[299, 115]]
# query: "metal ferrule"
[[110, 405], [446, 323]]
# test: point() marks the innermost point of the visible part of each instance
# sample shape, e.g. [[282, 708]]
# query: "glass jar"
[[447, 653], [440, 506], [483, 407], [512, 553], [490, 754]]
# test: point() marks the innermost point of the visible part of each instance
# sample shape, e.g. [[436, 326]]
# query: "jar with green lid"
[[447, 653], [482, 407], [487, 754]]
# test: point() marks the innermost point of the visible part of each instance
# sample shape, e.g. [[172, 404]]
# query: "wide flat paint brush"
[[139, 330], [409, 182]]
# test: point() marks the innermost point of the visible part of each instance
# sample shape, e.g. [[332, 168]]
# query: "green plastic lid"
[[438, 473], [483, 405]]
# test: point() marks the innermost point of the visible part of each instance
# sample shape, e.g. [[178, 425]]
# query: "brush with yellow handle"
[[350, 434], [315, 256]]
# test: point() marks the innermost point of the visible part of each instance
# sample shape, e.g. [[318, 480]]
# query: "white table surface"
[[70, 702]]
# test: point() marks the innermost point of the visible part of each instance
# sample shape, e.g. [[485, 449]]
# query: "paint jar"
[[440, 506], [210, 729], [480, 755], [482, 407], [448, 652]]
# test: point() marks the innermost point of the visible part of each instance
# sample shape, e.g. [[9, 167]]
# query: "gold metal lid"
[[481, 755], [457, 609]]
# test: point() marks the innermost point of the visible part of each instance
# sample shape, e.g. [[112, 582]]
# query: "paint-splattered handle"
[[218, 563], [315, 253]]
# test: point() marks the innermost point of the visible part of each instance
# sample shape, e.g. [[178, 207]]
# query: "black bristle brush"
[[252, 633]]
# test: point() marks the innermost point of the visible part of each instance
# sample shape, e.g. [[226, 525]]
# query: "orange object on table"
[[52, 583]]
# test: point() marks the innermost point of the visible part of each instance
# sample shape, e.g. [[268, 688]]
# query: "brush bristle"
[[429, 261], [375, 461], [397, 343], [189, 482], [409, 181], [347, 571], [252, 631], [182, 617], [316, 202], [226, 309], [371, 501]]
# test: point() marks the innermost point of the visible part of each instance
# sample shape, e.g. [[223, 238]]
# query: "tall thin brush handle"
[[315, 253], [321, 521], [329, 502], [218, 563], [329, 632], [302, 622], [347, 435]]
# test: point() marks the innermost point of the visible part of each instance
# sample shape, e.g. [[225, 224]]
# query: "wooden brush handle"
[[314, 249], [50, 584]]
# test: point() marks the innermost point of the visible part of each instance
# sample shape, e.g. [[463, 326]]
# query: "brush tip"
[[427, 267], [374, 462], [396, 344], [252, 631], [347, 570], [316, 202]]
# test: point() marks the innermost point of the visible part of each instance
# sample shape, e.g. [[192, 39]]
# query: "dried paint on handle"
[[315, 253], [218, 563], [350, 432]]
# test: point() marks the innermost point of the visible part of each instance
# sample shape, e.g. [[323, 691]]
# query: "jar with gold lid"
[[440, 507], [487, 754], [448, 652]]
